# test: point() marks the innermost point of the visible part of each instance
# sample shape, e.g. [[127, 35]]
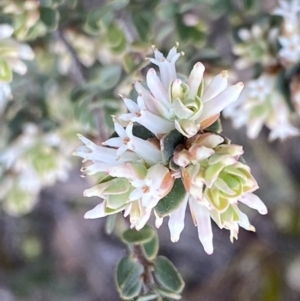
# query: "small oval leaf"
[[167, 275], [128, 278], [172, 200], [150, 248], [168, 144], [133, 236]]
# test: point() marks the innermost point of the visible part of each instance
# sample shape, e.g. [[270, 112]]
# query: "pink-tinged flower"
[[126, 141], [215, 182]]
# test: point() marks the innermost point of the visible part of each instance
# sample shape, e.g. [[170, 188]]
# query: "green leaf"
[[117, 186], [168, 144], [172, 200], [5, 71], [108, 77], [128, 63], [118, 4], [142, 25], [150, 248], [49, 17], [216, 127], [249, 4], [118, 200], [167, 275], [133, 236], [83, 114], [128, 278], [110, 223], [98, 19], [80, 94], [142, 132]]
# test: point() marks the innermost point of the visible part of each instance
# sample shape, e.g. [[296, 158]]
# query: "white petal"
[[5, 31], [221, 101], [147, 151], [131, 105], [98, 211], [25, 52], [254, 202], [158, 220], [176, 221], [143, 220], [120, 130], [114, 142], [202, 217], [157, 89], [155, 124], [136, 194], [217, 85], [244, 221], [147, 97], [195, 79]]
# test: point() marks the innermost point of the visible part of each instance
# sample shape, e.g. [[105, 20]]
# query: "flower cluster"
[[255, 45], [262, 104], [265, 99], [11, 55], [166, 152], [25, 15], [33, 161], [289, 38]]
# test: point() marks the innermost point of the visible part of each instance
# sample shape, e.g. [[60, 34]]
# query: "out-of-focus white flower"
[[34, 160], [255, 46], [290, 51], [289, 11], [261, 104], [83, 45], [12, 52]]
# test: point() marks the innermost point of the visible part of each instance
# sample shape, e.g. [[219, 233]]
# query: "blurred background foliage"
[[86, 53]]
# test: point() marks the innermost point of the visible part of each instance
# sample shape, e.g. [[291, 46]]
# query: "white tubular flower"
[[171, 103], [126, 141], [139, 113], [201, 217], [166, 65]]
